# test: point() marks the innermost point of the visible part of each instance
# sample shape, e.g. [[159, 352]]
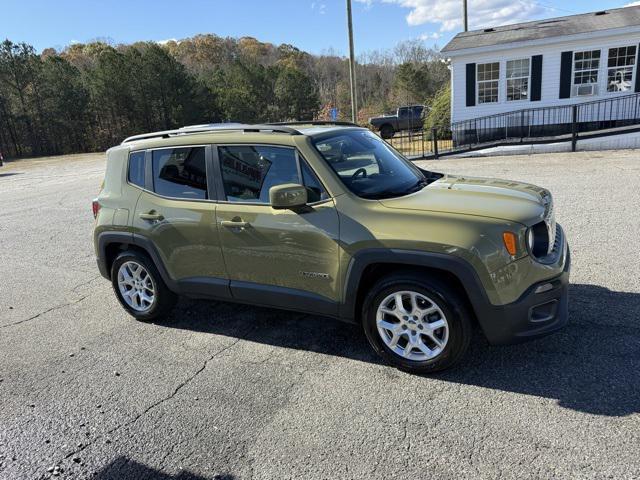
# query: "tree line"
[[88, 97]]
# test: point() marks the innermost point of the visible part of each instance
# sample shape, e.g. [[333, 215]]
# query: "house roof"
[[550, 27]]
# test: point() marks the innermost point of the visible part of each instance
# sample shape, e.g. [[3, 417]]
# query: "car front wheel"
[[417, 324]]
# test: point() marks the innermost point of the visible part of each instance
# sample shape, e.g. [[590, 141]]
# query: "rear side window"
[[248, 172], [180, 173], [136, 169]]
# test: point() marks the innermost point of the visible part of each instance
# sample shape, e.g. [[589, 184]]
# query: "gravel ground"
[[229, 392]]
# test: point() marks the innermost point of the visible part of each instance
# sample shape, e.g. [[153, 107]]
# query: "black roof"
[[551, 27]]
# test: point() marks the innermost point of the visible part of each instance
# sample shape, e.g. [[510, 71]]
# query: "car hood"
[[486, 197]]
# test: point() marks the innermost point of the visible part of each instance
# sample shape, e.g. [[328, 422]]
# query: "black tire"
[[387, 131], [449, 302], [164, 300]]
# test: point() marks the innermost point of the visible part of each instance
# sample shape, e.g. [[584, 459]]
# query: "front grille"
[[557, 241], [548, 236]]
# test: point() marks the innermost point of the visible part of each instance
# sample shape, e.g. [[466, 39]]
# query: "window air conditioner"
[[585, 90]]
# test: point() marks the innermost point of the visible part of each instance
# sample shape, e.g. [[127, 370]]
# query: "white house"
[[547, 63]]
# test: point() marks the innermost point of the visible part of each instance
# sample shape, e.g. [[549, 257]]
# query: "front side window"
[[518, 79], [180, 173], [620, 66], [136, 169], [367, 165], [315, 190], [249, 171], [488, 82], [585, 72]]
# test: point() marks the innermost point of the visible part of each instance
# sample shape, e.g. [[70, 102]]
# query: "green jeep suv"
[[328, 219]]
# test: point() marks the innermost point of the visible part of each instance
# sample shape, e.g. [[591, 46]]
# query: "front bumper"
[[541, 310]]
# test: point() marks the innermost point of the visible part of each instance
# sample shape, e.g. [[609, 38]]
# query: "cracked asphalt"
[[233, 392]]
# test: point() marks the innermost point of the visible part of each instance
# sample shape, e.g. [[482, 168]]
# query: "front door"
[[281, 258], [175, 213]]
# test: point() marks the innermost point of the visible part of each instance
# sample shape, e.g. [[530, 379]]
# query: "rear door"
[[176, 215], [282, 258]]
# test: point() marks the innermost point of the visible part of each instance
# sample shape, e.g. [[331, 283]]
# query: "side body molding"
[[220, 288]]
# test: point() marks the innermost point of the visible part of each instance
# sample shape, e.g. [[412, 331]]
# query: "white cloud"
[[321, 7], [482, 13], [164, 42], [633, 4], [430, 36]]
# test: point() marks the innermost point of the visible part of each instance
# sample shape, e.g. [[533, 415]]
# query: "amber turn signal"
[[510, 243]]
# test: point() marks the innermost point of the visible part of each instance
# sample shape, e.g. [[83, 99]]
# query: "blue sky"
[[312, 25]]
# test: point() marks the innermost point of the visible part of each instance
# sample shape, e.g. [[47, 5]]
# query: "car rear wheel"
[[416, 324], [139, 286]]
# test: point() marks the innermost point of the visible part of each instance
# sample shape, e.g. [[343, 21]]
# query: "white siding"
[[550, 74]]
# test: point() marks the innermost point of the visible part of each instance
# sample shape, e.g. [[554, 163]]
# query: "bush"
[[440, 114]]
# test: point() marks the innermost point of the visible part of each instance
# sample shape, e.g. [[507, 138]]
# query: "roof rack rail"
[[214, 129], [317, 122]]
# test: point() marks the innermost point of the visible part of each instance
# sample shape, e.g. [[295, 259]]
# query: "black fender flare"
[[123, 238], [457, 266]]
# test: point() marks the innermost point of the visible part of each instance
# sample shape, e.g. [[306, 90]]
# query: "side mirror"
[[288, 195]]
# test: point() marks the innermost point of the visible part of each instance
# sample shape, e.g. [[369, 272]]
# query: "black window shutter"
[[566, 65], [536, 78], [471, 84], [637, 89]]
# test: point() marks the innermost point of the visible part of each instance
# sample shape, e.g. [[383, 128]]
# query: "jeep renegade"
[[328, 219]]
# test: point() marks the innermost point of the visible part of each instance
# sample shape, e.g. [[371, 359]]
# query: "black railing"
[[526, 125]]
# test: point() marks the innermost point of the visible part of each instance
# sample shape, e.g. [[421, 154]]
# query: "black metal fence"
[[527, 125]]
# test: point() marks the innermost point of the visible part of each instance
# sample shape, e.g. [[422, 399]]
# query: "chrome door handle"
[[151, 216], [234, 224]]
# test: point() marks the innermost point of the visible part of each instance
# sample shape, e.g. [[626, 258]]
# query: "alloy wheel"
[[412, 325], [136, 286]]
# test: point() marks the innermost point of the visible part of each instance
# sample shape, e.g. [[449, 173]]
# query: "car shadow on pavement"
[[9, 174], [592, 365], [123, 468]]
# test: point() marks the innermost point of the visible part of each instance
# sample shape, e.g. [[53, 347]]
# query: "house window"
[[488, 79], [585, 73], [518, 79], [620, 66]]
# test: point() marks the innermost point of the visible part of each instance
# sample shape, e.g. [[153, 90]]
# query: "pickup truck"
[[406, 118]]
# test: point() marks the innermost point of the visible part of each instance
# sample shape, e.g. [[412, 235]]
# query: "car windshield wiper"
[[418, 186], [396, 193]]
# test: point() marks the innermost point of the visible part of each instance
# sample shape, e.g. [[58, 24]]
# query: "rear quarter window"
[[135, 174]]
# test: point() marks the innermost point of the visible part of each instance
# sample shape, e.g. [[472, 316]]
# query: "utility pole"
[[352, 66], [464, 16]]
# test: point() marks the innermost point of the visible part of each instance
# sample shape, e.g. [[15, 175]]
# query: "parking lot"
[[233, 392]]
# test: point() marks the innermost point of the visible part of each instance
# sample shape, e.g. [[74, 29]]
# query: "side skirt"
[[258, 295]]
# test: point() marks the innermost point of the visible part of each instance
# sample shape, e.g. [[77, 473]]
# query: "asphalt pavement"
[[236, 392]]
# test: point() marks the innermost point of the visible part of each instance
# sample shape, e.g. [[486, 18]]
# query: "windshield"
[[367, 165]]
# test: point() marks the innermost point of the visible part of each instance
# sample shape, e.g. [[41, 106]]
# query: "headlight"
[[538, 240]]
